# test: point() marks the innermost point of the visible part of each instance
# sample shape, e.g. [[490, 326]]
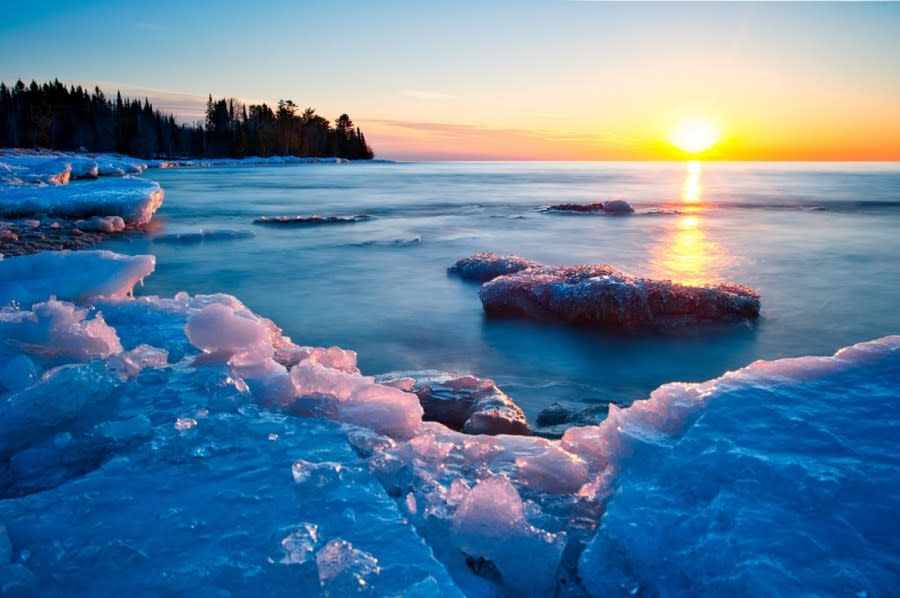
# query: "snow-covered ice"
[[134, 199]]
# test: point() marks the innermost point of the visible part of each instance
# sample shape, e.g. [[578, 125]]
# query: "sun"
[[694, 135]]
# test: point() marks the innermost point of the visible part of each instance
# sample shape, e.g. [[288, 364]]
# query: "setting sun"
[[694, 135]]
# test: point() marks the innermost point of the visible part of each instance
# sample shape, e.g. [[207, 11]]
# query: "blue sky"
[[550, 79]]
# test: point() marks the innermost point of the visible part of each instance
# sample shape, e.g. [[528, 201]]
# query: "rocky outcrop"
[[465, 403], [613, 206], [599, 295], [485, 266]]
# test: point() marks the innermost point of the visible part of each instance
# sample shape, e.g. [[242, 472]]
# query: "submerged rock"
[[600, 295], [613, 206], [311, 220], [464, 403], [486, 266]]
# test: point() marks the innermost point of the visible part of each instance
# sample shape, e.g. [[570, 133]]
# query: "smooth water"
[[818, 241]]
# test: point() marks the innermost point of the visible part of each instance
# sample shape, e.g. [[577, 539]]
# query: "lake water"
[[818, 241]]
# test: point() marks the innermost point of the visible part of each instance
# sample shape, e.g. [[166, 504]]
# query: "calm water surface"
[[820, 242]]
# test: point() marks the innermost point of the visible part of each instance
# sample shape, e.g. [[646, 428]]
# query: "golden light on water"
[[694, 135], [691, 190], [688, 254]]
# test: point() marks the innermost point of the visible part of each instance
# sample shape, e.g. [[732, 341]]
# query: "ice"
[[300, 545], [33, 169], [17, 373], [44, 408], [486, 266], [52, 167], [599, 295], [491, 530], [134, 199], [784, 486], [71, 275], [205, 415], [223, 333], [101, 224], [59, 329], [345, 570]]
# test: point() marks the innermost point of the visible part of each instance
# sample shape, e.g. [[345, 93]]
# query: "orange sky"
[[502, 80]]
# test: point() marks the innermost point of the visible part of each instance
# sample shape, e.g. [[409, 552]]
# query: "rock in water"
[[486, 266], [465, 403], [310, 220], [613, 206], [599, 295]]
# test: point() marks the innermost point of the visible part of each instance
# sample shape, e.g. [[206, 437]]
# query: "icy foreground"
[[173, 445], [41, 208], [599, 295]]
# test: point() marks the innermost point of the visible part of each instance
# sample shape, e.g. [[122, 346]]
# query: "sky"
[[546, 80]]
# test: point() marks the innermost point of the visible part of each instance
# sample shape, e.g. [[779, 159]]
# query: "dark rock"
[[485, 266], [613, 206], [466, 403]]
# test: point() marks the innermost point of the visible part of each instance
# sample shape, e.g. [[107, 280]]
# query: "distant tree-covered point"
[[69, 118]]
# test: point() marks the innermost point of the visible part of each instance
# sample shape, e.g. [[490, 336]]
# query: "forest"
[[58, 117]]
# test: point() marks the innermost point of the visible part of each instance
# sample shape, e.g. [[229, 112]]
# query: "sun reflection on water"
[[687, 254]]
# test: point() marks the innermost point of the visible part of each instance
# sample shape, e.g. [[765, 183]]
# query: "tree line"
[[54, 116]]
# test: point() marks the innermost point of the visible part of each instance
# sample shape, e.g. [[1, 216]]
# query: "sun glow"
[[694, 135]]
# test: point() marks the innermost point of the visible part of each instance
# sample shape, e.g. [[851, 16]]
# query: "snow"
[[175, 445], [57, 168], [247, 161]]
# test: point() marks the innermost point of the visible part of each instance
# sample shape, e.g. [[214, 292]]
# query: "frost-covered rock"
[[599, 295], [467, 403], [486, 266]]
